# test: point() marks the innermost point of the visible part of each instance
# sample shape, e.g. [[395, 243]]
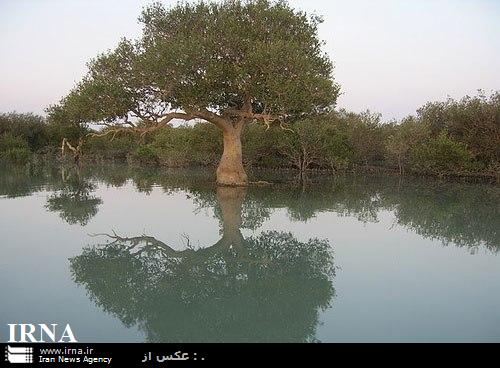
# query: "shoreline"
[[308, 175]]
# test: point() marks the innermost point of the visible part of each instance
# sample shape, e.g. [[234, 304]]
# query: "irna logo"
[[27, 332]]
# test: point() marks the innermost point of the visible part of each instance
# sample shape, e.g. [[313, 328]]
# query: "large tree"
[[229, 63]]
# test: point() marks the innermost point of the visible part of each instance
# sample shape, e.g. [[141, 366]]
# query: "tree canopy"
[[224, 62]]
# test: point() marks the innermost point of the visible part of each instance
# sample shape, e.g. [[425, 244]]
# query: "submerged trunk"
[[230, 171]]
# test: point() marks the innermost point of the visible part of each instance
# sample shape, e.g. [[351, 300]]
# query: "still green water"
[[129, 255]]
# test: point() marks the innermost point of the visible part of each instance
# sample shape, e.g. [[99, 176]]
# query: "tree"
[[404, 138], [13, 148], [365, 136], [474, 121], [441, 155], [301, 145], [27, 127], [229, 63]]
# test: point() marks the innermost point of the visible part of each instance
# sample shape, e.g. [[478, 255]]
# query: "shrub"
[[14, 148], [144, 154], [441, 155], [187, 145], [260, 147], [402, 139], [29, 127], [118, 148], [474, 121], [364, 134]]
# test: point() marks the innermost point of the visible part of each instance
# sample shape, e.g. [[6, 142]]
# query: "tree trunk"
[[230, 171]]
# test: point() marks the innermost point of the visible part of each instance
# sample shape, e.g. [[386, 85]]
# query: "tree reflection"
[[261, 288], [73, 200], [22, 180], [461, 214], [458, 214]]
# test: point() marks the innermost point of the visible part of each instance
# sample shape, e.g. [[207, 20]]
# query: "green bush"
[[118, 148], [187, 145], [144, 154], [260, 147], [474, 121], [338, 152], [31, 128], [16, 154], [441, 155], [364, 134], [14, 148], [402, 139]]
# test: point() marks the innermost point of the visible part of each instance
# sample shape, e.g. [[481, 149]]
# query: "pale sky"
[[390, 56]]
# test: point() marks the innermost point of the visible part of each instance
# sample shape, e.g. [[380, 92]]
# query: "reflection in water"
[[19, 180], [265, 288], [74, 201], [456, 213], [271, 286]]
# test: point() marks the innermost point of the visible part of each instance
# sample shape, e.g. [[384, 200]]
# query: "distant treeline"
[[457, 138]]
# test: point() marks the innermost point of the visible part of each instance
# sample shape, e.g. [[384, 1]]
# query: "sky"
[[390, 56]]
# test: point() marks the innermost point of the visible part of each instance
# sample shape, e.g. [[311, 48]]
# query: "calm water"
[[132, 255]]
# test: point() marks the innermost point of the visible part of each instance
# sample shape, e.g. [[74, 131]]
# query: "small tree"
[[441, 155], [325, 146], [229, 63], [474, 121], [405, 137], [303, 146], [28, 127], [364, 135]]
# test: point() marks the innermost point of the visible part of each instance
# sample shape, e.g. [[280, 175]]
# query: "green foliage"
[[261, 146], [441, 155], [338, 151], [402, 139], [120, 147], [365, 136], [452, 137], [16, 155], [213, 54], [14, 148], [474, 121], [186, 145], [208, 55], [28, 127], [336, 141], [57, 131], [144, 154], [303, 147], [429, 143]]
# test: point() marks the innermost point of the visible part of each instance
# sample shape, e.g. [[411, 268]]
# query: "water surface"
[[129, 255]]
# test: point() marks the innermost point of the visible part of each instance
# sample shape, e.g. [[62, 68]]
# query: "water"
[[132, 255]]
